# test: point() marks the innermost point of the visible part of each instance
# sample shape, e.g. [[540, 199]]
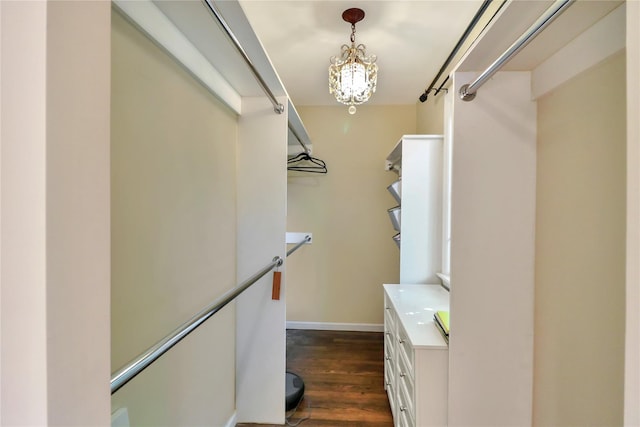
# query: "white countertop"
[[415, 306]]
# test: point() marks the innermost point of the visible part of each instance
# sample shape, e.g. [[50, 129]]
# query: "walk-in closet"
[[196, 223]]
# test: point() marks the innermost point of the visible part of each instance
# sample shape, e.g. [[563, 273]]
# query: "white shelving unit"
[[417, 159]]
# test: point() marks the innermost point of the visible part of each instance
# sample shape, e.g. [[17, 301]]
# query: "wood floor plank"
[[343, 374]]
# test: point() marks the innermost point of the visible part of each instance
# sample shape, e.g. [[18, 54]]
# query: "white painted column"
[[55, 213], [492, 253], [260, 325], [23, 349]]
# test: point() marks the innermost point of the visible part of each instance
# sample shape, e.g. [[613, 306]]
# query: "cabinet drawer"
[[390, 318], [389, 361], [404, 420], [405, 348], [388, 355], [391, 395], [389, 372], [406, 384], [389, 343], [405, 416]]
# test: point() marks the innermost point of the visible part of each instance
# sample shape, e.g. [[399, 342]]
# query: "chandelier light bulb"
[[353, 74]]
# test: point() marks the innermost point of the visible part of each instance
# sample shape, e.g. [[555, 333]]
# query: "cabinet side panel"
[[431, 387], [421, 214]]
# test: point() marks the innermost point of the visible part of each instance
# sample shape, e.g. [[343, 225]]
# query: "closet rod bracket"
[[278, 108]]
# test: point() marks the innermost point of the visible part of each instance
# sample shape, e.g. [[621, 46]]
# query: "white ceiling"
[[411, 38]]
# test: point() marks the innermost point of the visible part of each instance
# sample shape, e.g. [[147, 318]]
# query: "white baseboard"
[[231, 422], [326, 326]]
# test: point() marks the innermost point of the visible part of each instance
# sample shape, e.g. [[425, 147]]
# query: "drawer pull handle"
[[387, 358], [401, 341], [388, 308], [402, 374], [403, 408], [388, 334]]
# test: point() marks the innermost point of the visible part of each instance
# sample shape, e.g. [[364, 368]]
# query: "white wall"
[[173, 216], [430, 115], [337, 279], [492, 253], [78, 93], [55, 213], [580, 250]]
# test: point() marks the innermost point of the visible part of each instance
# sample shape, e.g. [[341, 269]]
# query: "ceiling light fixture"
[[353, 74]]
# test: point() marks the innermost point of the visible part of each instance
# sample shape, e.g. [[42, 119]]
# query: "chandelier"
[[353, 74]]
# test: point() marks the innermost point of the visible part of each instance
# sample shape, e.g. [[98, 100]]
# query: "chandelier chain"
[[353, 33]]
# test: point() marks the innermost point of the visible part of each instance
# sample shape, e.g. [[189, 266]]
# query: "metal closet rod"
[[463, 38], [140, 363], [277, 107], [298, 245], [468, 91]]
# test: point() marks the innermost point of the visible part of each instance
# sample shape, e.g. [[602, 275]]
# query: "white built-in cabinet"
[[417, 159], [416, 357]]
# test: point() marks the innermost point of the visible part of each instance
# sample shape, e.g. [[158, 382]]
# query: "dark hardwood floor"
[[343, 377]]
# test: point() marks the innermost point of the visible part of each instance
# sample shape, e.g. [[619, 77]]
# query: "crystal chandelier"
[[353, 74]]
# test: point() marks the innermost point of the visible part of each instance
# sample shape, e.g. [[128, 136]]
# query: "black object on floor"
[[294, 389]]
